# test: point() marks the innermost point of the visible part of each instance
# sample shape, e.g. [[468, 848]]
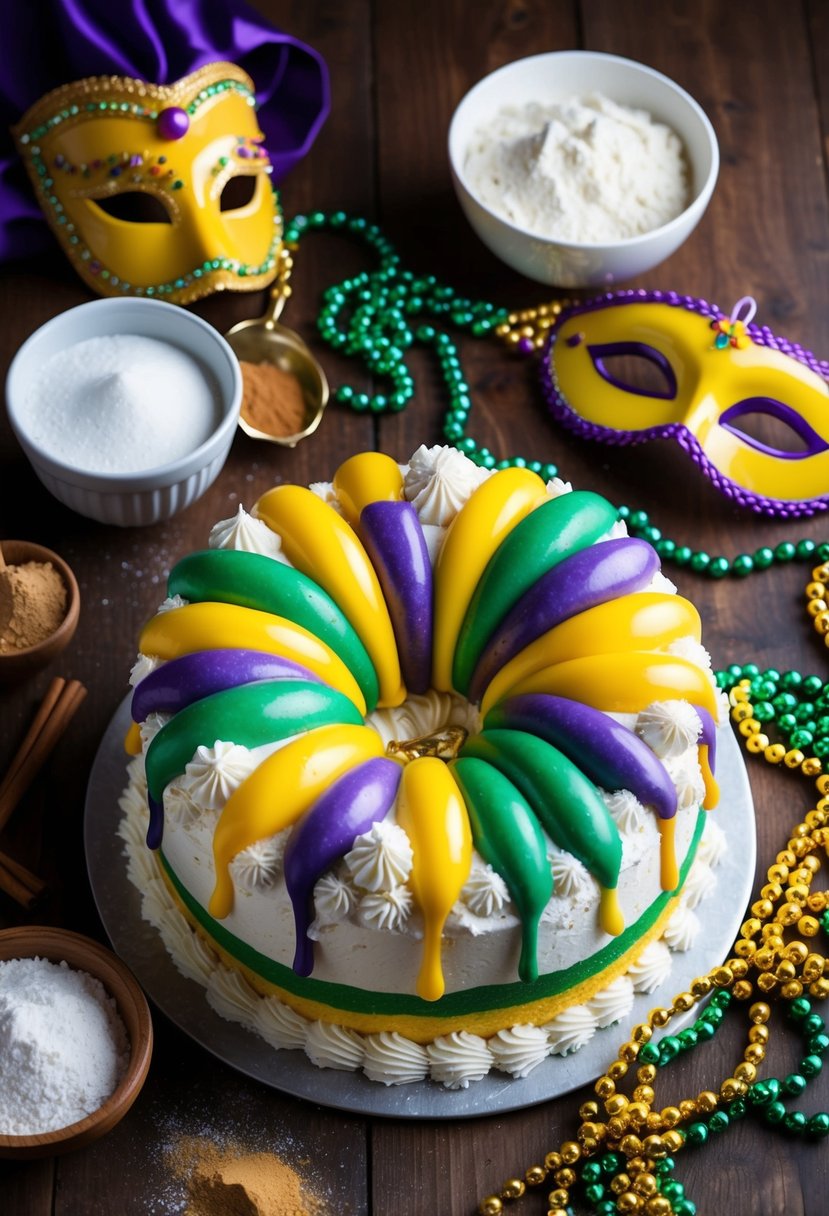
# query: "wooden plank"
[[27, 1187]]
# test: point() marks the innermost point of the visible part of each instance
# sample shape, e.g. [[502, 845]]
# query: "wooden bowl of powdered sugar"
[[39, 608], [75, 1041]]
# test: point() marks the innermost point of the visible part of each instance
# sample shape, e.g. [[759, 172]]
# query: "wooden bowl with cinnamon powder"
[[39, 608]]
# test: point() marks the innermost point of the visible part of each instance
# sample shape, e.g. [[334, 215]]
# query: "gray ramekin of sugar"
[[125, 408]]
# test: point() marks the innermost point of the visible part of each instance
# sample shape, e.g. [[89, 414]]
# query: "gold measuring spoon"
[[264, 340]]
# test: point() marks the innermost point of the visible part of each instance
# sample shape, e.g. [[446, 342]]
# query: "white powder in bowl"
[[120, 403], [585, 170], [63, 1046]]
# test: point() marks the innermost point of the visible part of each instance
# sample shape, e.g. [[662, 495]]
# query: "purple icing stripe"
[[564, 413], [181, 681], [594, 575], [708, 735], [327, 831]]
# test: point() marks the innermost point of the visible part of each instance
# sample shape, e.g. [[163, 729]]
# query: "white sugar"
[[120, 403], [63, 1046]]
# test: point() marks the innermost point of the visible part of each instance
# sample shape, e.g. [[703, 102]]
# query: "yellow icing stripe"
[[431, 811], [280, 790], [624, 683], [610, 914], [501, 502], [668, 870], [645, 620], [364, 478], [133, 745], [712, 789], [320, 543], [210, 626]]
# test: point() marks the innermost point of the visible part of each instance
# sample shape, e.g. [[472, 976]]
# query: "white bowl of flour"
[[126, 408], [581, 169]]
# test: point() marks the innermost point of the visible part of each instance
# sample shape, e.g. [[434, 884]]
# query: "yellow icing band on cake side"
[[491, 513], [364, 478], [208, 626], [277, 792], [320, 543], [133, 744], [432, 813], [644, 620]]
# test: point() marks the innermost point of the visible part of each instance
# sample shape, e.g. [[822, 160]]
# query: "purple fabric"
[[53, 42]]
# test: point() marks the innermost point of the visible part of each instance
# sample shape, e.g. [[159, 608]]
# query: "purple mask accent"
[[154, 40], [761, 335], [782, 413], [637, 350]]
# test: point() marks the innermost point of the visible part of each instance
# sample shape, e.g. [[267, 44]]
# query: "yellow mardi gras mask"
[[713, 373], [137, 182]]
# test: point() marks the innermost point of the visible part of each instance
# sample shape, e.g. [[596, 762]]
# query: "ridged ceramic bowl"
[[152, 495], [84, 954], [555, 77]]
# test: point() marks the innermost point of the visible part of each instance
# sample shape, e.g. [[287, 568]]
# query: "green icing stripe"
[[478, 1000]]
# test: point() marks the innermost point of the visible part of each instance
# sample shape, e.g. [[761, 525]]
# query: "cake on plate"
[[422, 763]]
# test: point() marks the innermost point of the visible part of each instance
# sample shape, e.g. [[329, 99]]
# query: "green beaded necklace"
[[372, 317]]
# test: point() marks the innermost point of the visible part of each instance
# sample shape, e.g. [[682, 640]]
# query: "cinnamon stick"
[[19, 883], [33, 753], [46, 706]]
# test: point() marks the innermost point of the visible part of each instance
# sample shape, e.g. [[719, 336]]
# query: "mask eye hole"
[[134, 207], [772, 427], [238, 192], [635, 367]]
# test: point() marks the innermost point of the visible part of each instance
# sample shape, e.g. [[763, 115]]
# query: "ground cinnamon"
[[272, 399], [38, 605], [233, 1181]]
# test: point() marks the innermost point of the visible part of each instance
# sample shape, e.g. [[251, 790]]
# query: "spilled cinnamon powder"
[[230, 1180]]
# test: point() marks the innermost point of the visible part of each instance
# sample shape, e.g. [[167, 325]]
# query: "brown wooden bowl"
[[84, 954], [18, 664]]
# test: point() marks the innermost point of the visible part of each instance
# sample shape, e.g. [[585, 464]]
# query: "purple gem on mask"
[[575, 339], [173, 123]]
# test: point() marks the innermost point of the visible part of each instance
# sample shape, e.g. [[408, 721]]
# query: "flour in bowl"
[[585, 170]]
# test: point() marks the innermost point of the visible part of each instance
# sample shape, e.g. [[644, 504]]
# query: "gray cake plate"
[[183, 1001]]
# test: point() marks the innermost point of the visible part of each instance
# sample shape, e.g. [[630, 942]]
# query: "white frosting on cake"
[[330, 1046], [423, 714], [246, 533], [334, 900], [380, 859], [652, 967], [438, 482], [258, 866], [556, 487], [713, 846], [388, 910], [484, 893], [215, 773], [325, 490], [682, 930], [279, 1025], [627, 811], [142, 667], [669, 728], [699, 884], [460, 1057], [390, 1058], [570, 1030], [519, 1049], [613, 1003]]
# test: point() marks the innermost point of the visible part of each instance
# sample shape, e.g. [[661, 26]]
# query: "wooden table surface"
[[761, 72]]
